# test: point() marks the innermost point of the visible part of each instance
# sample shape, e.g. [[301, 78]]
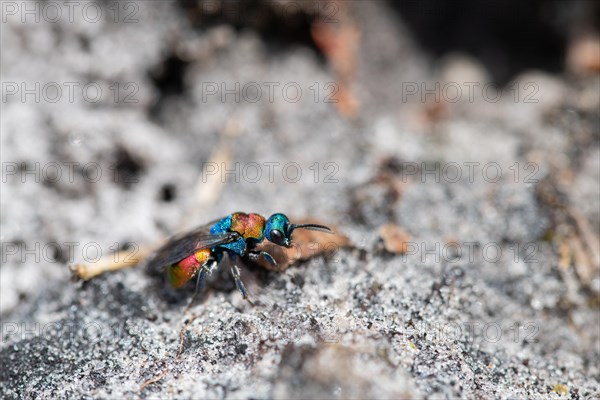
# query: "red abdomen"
[[185, 269]]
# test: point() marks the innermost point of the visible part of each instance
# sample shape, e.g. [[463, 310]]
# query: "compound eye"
[[277, 237]]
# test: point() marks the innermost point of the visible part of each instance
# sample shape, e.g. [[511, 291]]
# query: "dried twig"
[[177, 357], [121, 260]]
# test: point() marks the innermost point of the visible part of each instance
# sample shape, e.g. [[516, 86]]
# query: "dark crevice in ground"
[[508, 37], [279, 26]]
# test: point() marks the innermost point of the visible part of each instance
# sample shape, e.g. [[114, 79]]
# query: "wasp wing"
[[186, 244]]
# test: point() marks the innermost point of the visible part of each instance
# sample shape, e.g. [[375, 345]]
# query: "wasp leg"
[[207, 267], [210, 265], [254, 255], [200, 280], [235, 271]]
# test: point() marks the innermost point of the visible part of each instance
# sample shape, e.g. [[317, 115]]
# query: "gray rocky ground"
[[492, 293]]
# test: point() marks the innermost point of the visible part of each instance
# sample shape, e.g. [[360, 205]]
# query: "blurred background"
[[453, 145]]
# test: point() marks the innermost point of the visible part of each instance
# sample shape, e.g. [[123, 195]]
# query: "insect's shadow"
[[115, 298], [221, 280]]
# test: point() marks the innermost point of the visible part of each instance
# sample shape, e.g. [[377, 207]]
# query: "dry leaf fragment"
[[584, 55], [340, 44], [395, 239], [565, 255], [306, 244]]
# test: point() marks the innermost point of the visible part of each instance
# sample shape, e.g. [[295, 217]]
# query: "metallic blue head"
[[279, 230]]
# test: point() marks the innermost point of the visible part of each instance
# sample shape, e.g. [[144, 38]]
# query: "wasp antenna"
[[311, 227]]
